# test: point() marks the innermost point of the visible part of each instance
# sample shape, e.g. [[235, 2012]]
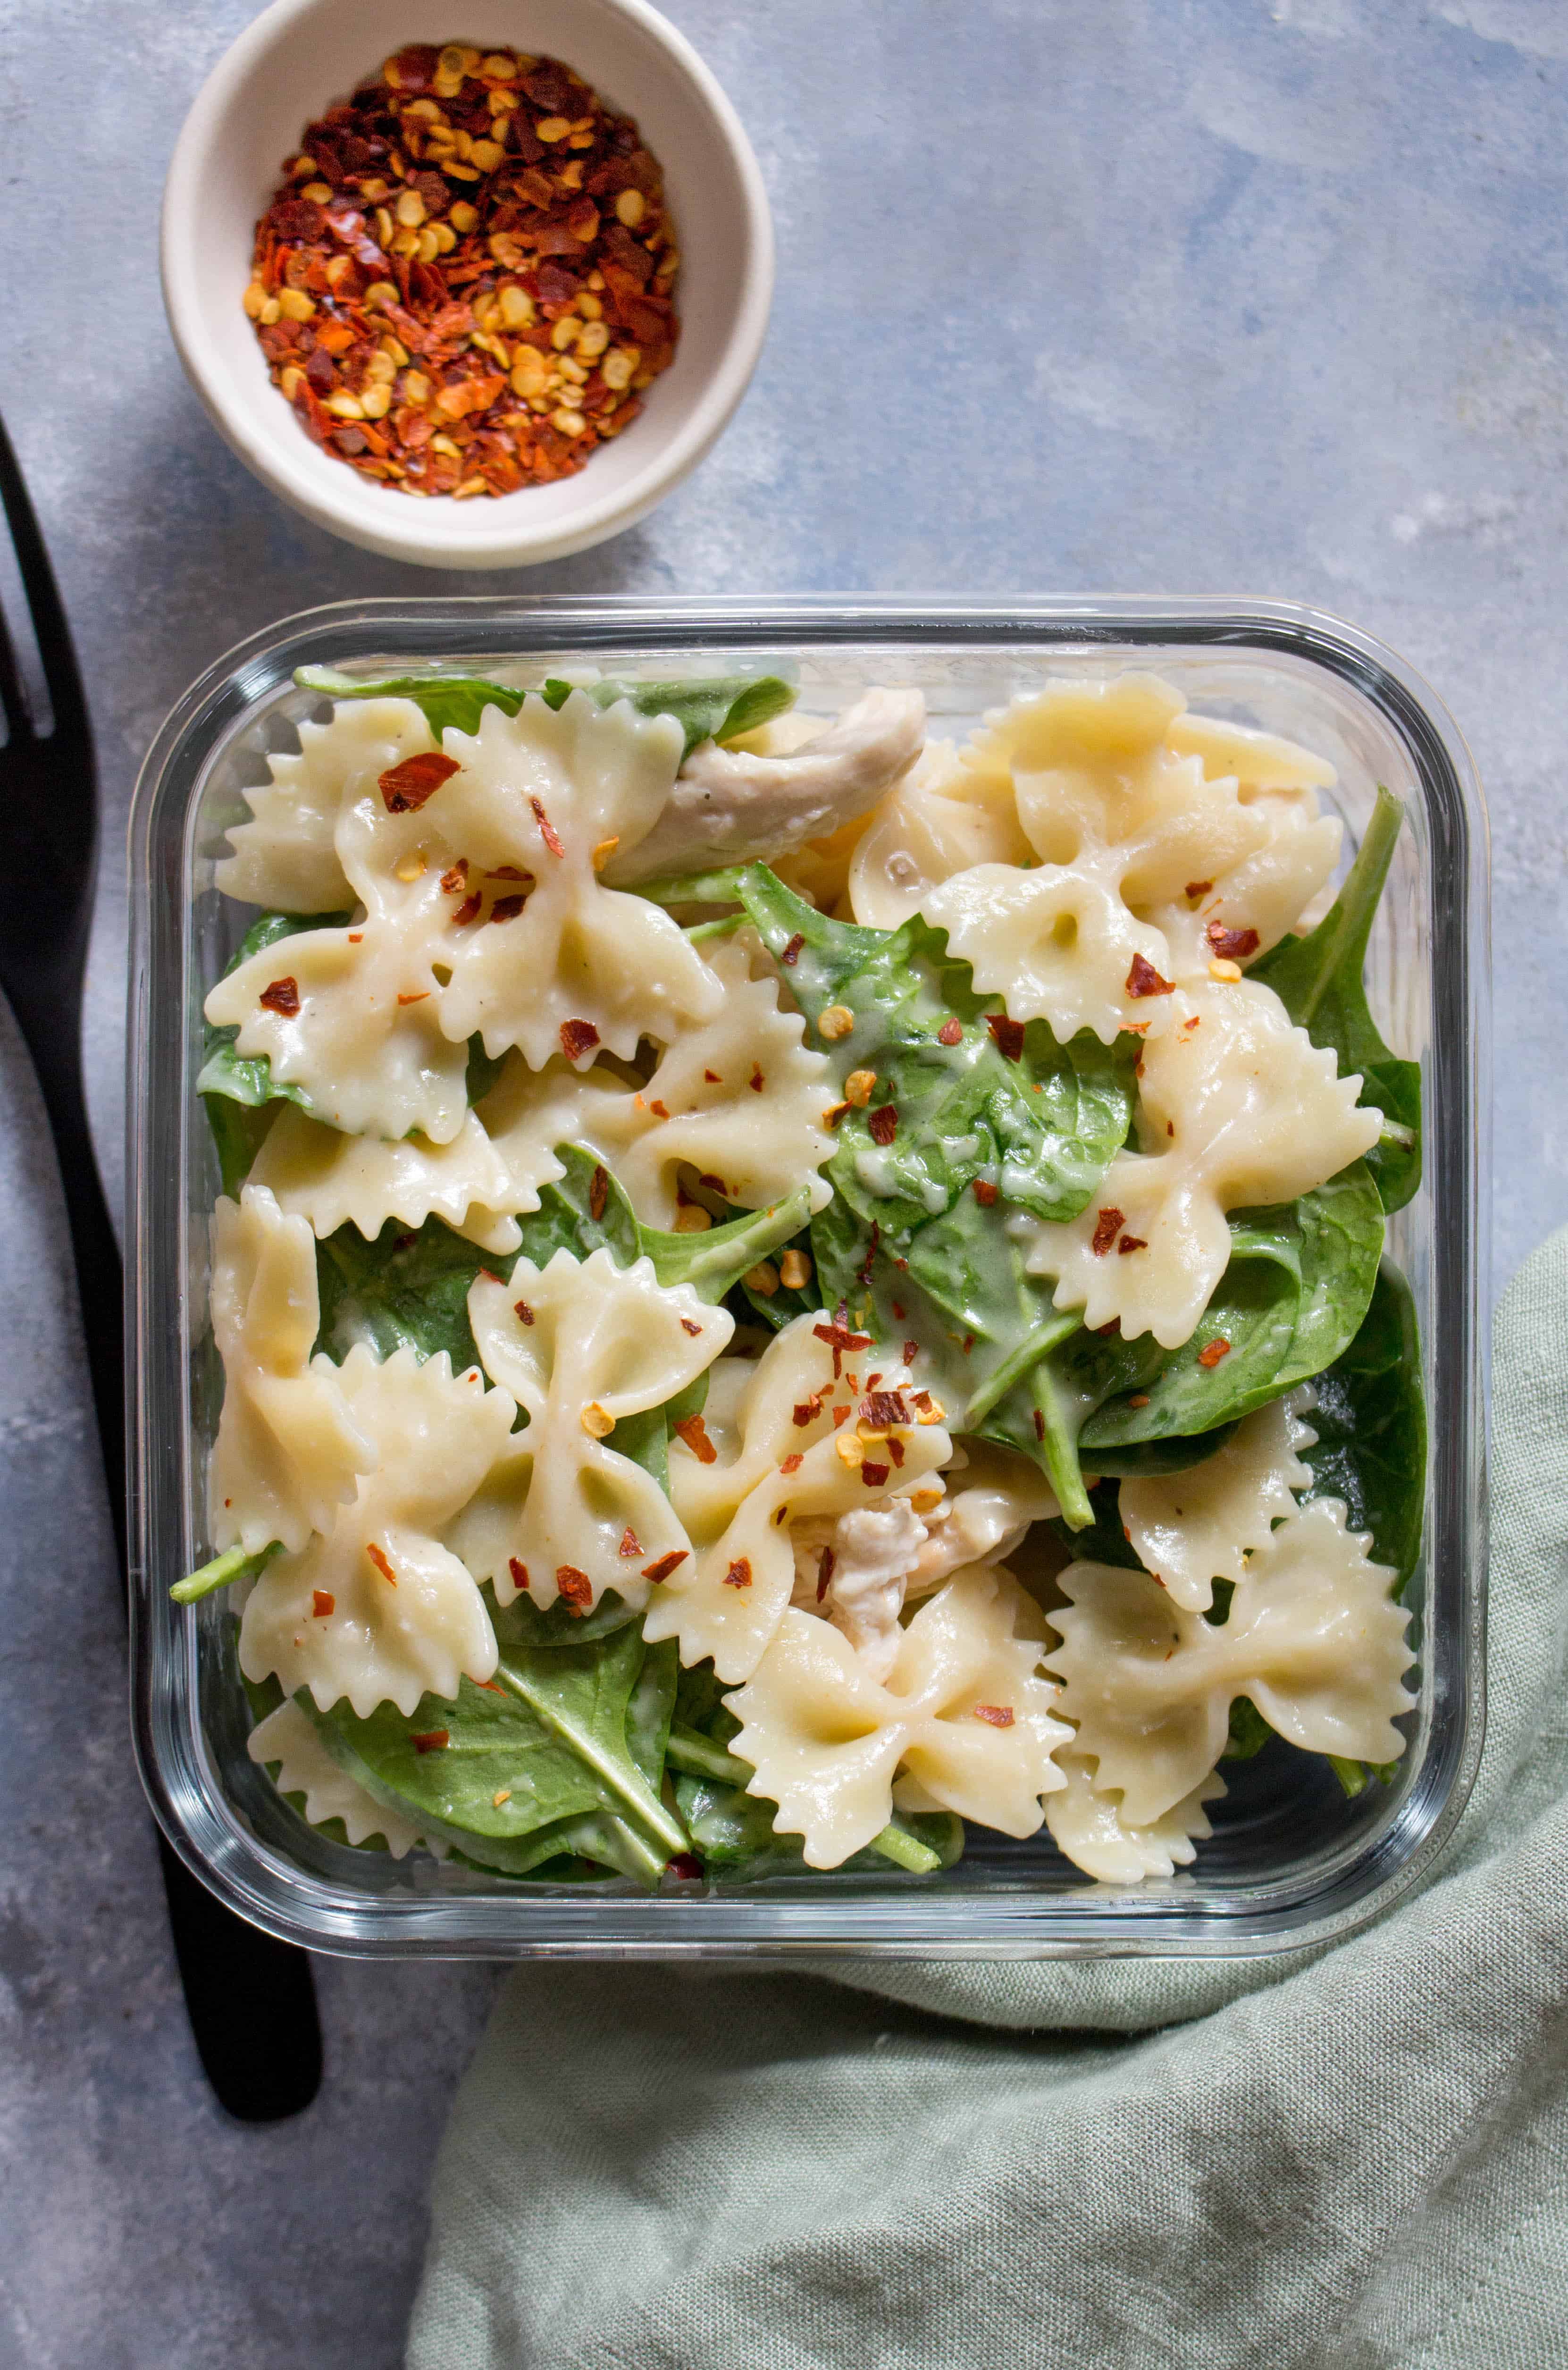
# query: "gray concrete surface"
[[1221, 297]]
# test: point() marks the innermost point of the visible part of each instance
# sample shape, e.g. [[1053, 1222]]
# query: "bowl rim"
[[425, 539], [324, 1911]]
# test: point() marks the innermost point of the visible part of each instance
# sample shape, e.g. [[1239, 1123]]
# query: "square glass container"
[[1291, 1861]]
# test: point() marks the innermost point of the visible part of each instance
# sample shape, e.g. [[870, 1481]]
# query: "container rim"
[[277, 1893]]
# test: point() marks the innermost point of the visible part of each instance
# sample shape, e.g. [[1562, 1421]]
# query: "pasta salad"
[[783, 1285]]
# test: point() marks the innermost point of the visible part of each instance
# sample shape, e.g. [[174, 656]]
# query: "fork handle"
[[250, 1998]]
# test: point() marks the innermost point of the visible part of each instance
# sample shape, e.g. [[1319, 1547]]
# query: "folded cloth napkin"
[[1351, 2157]]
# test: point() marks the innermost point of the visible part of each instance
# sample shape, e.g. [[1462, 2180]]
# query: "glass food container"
[[1292, 1860]]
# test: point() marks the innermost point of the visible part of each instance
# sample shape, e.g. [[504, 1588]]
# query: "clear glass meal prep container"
[[1292, 1861]]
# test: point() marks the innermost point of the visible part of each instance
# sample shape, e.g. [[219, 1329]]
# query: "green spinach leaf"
[[719, 708], [733, 1833], [1319, 980], [1371, 1418]]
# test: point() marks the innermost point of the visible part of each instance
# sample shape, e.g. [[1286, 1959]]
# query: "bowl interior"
[[303, 56]]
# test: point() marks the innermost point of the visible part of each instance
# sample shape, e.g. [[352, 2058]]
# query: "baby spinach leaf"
[[1251, 1320], [1319, 981], [720, 708], [1039, 1122], [713, 1260], [561, 1731], [1249, 1731], [1371, 1418], [733, 1832]]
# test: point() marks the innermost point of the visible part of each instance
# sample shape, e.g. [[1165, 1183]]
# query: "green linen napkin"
[[1351, 2159]]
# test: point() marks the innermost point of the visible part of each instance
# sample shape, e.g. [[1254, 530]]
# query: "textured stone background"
[[1215, 296]]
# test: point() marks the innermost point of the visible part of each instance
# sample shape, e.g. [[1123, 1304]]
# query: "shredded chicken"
[[879, 1557], [729, 805]]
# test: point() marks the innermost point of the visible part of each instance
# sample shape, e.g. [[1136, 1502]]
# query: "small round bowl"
[[303, 56]]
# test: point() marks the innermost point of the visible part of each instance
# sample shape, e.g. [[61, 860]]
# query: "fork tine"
[[56, 655]]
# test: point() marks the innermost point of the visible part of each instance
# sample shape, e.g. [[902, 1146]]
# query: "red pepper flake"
[[509, 872], [598, 1193], [630, 1543], [519, 1570], [406, 788], [1130, 1243], [911, 1349], [1232, 946], [283, 997], [378, 1558], [841, 1416], [694, 1432], [834, 1113], [792, 1462], [523, 1310], [457, 877], [791, 954], [507, 909], [1039, 1425], [1195, 1022], [739, 1573], [807, 1410], [895, 1447], [578, 1037], [547, 831], [665, 1566], [825, 1564], [1142, 979], [1212, 1352], [1007, 1035], [685, 1867], [713, 1077], [1115, 1325], [659, 1110], [1197, 888], [323, 1604], [714, 1184], [952, 1032], [995, 1715], [434, 1739], [1109, 1224], [875, 1476], [422, 996], [883, 1123], [575, 1586], [687, 1326], [468, 910], [1139, 1400], [354, 937], [985, 1193], [491, 1689], [884, 1407]]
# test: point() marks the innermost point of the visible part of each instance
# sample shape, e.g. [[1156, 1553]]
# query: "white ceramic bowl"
[[301, 57]]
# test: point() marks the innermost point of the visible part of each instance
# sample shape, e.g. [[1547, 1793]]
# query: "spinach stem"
[[700, 1757], [234, 1564], [1000, 1380], [905, 1851]]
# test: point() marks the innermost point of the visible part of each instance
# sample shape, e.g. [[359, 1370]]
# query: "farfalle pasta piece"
[[1191, 1529], [1237, 1109], [291, 1737], [1313, 1639], [331, 1180], [559, 792], [289, 1449], [286, 856], [952, 812], [964, 1710], [375, 1609], [581, 1347], [1088, 1828], [810, 1438]]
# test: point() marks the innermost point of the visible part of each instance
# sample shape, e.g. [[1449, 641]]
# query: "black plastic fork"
[[250, 1998]]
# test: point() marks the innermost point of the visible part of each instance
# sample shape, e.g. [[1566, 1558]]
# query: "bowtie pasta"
[[782, 1287]]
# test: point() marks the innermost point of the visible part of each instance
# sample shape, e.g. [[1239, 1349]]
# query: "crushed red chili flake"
[[1139, 1400], [694, 1432], [807, 1410], [434, 1739], [406, 788], [466, 281], [524, 1311], [1039, 1425], [739, 1573], [1197, 888], [713, 1077], [457, 877], [547, 831], [911, 1349], [1131, 1242], [883, 1408], [469, 908], [630, 1543], [598, 1193], [689, 1326], [507, 909], [791, 954], [1232, 946], [985, 1193], [665, 1566], [756, 1080], [1109, 1224], [883, 1123], [323, 1603], [686, 1866], [995, 1715], [792, 1462], [578, 1037], [574, 1586], [951, 1032], [824, 1571], [378, 1558], [1212, 1352], [1142, 979], [895, 1448], [875, 1476], [1007, 1035], [282, 996]]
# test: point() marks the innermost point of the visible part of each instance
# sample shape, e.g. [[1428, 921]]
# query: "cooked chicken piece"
[[729, 806], [873, 1548], [973, 1527]]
